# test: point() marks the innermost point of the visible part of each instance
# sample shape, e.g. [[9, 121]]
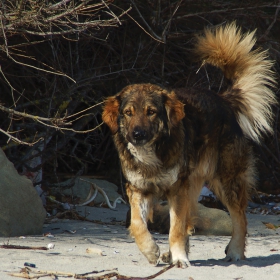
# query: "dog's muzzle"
[[139, 136]]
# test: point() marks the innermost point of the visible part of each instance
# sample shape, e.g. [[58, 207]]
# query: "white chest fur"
[[162, 177], [145, 154]]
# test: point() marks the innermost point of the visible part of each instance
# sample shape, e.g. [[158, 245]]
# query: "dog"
[[170, 142]]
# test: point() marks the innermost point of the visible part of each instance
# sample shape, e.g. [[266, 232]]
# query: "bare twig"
[[28, 65], [169, 21], [112, 13], [153, 34], [71, 129], [227, 10], [62, 15], [58, 121], [15, 139], [29, 273], [80, 112], [11, 87], [23, 247], [271, 153], [272, 23]]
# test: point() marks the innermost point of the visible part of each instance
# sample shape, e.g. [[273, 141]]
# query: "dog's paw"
[[152, 254], [233, 255], [182, 263], [165, 257]]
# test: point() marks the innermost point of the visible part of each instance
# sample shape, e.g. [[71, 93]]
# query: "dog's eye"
[[128, 112], [151, 112]]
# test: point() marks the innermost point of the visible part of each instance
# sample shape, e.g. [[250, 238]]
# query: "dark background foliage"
[[103, 46]]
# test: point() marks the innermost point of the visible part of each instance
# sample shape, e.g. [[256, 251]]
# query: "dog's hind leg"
[[235, 177], [234, 195], [236, 247], [141, 212]]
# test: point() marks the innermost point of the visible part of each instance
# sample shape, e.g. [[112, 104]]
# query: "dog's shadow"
[[253, 261]]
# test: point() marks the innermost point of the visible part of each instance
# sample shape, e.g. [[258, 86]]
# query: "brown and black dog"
[[172, 141]]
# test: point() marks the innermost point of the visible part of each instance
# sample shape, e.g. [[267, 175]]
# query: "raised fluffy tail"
[[248, 70]]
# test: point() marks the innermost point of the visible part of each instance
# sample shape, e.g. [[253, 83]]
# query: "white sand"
[[69, 254]]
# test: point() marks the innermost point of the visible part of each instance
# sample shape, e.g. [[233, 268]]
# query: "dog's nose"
[[139, 134]]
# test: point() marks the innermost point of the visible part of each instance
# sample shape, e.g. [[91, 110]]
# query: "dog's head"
[[142, 112]]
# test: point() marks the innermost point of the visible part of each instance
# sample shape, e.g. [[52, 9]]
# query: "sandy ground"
[[119, 250]]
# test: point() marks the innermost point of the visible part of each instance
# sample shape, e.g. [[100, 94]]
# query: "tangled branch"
[[48, 20], [42, 18], [57, 123]]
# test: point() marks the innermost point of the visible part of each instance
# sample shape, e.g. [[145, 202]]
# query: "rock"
[[81, 189], [209, 221], [21, 209]]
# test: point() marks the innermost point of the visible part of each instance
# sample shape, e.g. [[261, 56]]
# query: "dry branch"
[[29, 273], [43, 19]]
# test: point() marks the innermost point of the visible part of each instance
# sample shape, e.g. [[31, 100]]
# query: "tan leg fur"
[[141, 212]]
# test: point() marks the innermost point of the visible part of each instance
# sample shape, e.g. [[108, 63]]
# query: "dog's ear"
[[174, 109], [111, 112]]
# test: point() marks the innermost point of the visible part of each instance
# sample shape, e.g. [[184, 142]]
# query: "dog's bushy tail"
[[249, 71]]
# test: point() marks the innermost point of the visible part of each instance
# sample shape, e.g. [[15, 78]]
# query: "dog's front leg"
[[179, 227], [141, 211]]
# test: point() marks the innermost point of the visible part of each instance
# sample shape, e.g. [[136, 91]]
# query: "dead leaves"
[[271, 226], [96, 251]]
